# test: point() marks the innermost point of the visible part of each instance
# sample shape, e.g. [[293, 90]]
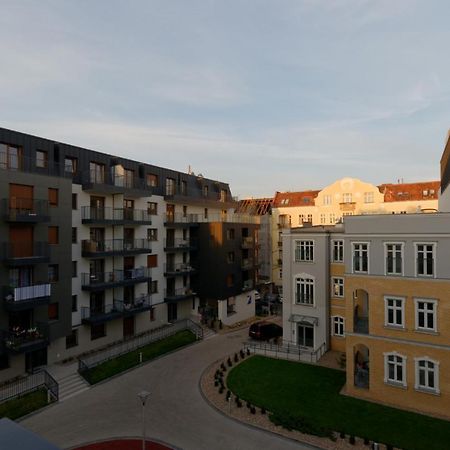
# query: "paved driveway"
[[176, 412]]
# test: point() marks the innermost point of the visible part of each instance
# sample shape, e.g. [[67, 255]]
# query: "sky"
[[279, 95]]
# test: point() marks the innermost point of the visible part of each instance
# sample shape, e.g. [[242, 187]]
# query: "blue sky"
[[266, 95]]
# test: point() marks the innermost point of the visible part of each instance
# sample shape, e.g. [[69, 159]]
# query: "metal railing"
[[179, 243], [247, 284], [25, 208], [200, 218], [29, 384], [142, 302], [115, 245], [199, 193], [132, 344], [92, 313], [17, 294], [96, 176], [247, 263], [179, 292], [25, 250], [114, 214], [247, 242], [179, 267], [286, 351], [17, 336], [88, 279]]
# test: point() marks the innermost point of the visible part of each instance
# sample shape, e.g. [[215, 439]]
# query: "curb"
[[122, 438]]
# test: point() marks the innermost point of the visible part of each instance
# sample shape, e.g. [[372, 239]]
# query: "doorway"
[[171, 312], [306, 336], [128, 327]]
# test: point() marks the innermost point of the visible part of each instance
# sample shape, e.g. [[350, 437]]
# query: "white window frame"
[[369, 197], [347, 197], [386, 255], [395, 308], [332, 218], [306, 280], [323, 218], [390, 381], [338, 321], [341, 285], [417, 386], [327, 199], [368, 257], [434, 302], [333, 243], [307, 247], [416, 258]]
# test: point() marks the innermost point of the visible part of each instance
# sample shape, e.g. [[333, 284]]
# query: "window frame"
[[426, 389], [368, 257], [434, 302], [338, 321], [44, 160], [416, 259], [395, 382], [402, 257], [309, 286], [333, 245], [305, 246], [341, 286], [395, 309]]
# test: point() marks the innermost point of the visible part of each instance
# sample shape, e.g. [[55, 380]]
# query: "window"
[[327, 200], [129, 178], [427, 375], [152, 208], [230, 257], [309, 218], [394, 259], [304, 291], [74, 235], [53, 235], [337, 325], [368, 197], [74, 269], [183, 187], [395, 369], [205, 191], [74, 201], [426, 315], [98, 331], [338, 251], [170, 186], [394, 312], [184, 211], [72, 339], [152, 234], [322, 218], [223, 195], [425, 260], [70, 165], [53, 273], [53, 197], [74, 303], [41, 159], [301, 218], [230, 280], [304, 251], [10, 157], [206, 213], [53, 313], [332, 218], [152, 260], [230, 233], [152, 314], [360, 257], [347, 197], [152, 180], [337, 287], [153, 287], [97, 173]]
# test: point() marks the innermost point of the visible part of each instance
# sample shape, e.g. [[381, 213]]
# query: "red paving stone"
[[123, 444]]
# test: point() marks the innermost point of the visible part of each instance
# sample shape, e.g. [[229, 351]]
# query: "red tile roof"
[[289, 199], [258, 206], [428, 190]]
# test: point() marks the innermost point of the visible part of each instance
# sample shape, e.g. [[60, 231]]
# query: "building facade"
[[97, 248]]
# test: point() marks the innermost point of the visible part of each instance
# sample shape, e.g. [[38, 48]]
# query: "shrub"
[[216, 383], [351, 439], [366, 441], [253, 410], [239, 404], [229, 362], [300, 424], [248, 352], [242, 354], [342, 435], [228, 394], [249, 405], [237, 399], [223, 367], [389, 447], [263, 410], [236, 358], [221, 389]]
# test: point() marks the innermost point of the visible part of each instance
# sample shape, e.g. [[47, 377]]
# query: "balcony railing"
[[247, 263], [179, 268], [91, 214], [26, 339], [97, 177], [102, 314], [247, 242], [25, 210], [178, 294], [361, 325], [115, 278], [17, 253], [180, 244], [111, 246], [179, 218], [137, 305], [199, 193], [17, 298]]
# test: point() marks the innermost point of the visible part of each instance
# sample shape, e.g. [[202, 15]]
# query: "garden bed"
[[23, 405]]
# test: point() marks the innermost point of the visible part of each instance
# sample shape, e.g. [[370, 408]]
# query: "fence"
[[286, 351], [130, 345], [29, 384]]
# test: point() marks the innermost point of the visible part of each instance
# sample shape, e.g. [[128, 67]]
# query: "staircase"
[[207, 332], [71, 385]]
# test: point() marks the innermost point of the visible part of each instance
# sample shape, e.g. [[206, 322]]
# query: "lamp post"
[[143, 396]]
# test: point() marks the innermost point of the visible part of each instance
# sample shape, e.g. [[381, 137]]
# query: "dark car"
[[265, 331]]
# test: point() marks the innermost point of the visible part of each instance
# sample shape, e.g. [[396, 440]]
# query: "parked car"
[[265, 331]]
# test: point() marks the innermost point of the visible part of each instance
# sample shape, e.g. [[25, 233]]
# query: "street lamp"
[[143, 396]]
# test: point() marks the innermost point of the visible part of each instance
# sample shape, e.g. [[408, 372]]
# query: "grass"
[[129, 360], [308, 395], [26, 404]]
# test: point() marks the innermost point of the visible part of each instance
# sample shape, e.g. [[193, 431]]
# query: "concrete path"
[[176, 412]]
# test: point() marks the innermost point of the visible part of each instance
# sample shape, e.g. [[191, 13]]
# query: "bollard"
[[140, 357], [229, 404]]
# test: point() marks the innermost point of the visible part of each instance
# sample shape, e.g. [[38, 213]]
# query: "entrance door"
[[128, 209], [306, 336], [171, 312], [35, 359], [128, 327]]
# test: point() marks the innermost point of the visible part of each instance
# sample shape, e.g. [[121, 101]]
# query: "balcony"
[[247, 285], [171, 270], [115, 216], [26, 297], [347, 206], [247, 263], [247, 242], [98, 281], [139, 304], [25, 210], [114, 247], [22, 340], [175, 295], [25, 253], [215, 198], [96, 181], [106, 313], [173, 245], [361, 325], [181, 220]]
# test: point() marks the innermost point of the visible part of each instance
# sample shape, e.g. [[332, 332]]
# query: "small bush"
[[249, 405], [248, 352], [389, 447], [229, 362], [263, 410], [223, 367], [366, 441], [351, 440], [253, 410], [236, 358], [342, 435], [242, 354], [239, 404], [221, 389], [216, 383], [228, 394], [301, 424]]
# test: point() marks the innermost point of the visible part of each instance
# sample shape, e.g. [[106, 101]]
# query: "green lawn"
[[24, 405], [151, 351], [310, 395]]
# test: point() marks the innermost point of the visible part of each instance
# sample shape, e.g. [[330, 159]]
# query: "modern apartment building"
[[97, 248], [345, 197]]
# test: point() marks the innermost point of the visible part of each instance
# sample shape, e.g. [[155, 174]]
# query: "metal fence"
[[286, 351], [130, 345], [29, 384]]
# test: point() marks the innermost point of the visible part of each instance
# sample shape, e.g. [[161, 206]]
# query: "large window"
[[426, 315], [304, 291], [347, 197], [425, 260], [327, 200], [338, 325], [152, 208], [70, 165], [304, 251], [395, 369], [394, 311], [338, 251], [10, 157], [97, 173], [394, 259], [170, 186], [360, 257], [152, 180], [128, 178], [427, 375], [41, 159], [337, 287], [368, 197]]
